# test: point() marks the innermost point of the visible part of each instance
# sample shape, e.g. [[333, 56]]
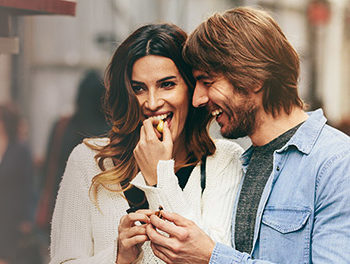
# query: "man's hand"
[[186, 243]]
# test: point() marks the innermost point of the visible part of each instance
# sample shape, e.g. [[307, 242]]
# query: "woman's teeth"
[[216, 112], [159, 117]]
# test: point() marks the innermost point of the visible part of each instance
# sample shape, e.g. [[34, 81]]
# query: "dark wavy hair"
[[124, 112], [250, 49]]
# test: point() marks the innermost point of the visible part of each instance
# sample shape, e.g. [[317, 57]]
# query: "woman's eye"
[[167, 84], [137, 88]]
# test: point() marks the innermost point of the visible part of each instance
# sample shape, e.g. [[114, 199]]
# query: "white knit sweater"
[[83, 234]]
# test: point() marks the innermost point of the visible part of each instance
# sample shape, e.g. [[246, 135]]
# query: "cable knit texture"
[[83, 234]]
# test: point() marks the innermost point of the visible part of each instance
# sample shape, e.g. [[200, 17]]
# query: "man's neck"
[[270, 127]]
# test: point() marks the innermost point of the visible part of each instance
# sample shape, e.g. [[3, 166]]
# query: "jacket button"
[[278, 168]]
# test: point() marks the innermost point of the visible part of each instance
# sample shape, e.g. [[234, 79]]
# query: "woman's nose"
[[154, 101]]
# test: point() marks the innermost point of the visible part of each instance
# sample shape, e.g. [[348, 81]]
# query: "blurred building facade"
[[55, 51]]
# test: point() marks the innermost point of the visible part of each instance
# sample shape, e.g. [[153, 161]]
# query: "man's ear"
[[258, 87]]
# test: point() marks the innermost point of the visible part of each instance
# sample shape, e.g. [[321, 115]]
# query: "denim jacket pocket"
[[285, 220], [285, 232]]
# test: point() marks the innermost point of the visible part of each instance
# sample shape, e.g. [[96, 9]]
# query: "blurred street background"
[[50, 53]]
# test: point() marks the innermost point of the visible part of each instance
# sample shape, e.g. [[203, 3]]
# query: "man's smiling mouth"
[[216, 112]]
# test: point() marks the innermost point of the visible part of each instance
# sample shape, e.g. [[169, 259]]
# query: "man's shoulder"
[[332, 141], [330, 151], [316, 137]]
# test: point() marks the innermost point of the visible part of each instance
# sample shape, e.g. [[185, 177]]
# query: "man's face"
[[235, 112]]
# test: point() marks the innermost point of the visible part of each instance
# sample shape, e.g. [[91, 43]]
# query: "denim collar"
[[306, 136], [304, 139]]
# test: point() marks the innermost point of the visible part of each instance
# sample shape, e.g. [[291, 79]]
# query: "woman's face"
[[161, 92]]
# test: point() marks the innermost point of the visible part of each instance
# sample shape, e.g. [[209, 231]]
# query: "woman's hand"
[[131, 236], [150, 149]]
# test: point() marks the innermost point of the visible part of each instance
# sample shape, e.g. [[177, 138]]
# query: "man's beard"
[[242, 121]]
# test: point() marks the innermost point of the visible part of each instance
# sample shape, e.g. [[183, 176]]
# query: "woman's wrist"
[[151, 181]]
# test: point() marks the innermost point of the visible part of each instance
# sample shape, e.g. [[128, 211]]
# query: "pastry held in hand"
[[160, 126]]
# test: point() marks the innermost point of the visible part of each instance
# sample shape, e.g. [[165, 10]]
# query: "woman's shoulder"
[[82, 164], [87, 150], [225, 164], [227, 147], [96, 142]]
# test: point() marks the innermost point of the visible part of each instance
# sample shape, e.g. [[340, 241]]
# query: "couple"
[[293, 201]]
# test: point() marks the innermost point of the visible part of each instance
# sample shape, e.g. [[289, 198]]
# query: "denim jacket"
[[304, 212]]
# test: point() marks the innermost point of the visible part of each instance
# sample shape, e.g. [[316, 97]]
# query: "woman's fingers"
[[150, 131], [133, 231], [147, 212], [133, 241], [130, 236], [167, 139], [130, 219]]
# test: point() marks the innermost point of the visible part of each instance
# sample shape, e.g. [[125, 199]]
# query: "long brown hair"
[[250, 49], [124, 112]]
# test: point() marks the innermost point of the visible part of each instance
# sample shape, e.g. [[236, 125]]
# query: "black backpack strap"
[[203, 173]]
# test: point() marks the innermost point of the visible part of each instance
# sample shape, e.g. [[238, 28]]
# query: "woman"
[[147, 80]]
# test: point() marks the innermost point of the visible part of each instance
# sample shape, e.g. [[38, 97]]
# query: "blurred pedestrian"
[[16, 187], [67, 132]]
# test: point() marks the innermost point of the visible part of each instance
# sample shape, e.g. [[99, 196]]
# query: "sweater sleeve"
[[71, 235], [211, 211]]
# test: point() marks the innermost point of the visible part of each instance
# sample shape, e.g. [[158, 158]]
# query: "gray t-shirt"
[[258, 172]]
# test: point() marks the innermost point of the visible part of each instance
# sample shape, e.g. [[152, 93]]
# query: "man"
[[294, 201]]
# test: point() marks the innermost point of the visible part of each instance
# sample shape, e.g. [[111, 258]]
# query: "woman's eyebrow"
[[159, 81], [166, 78], [136, 82]]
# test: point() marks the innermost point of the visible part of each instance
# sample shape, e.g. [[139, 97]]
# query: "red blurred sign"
[[319, 12], [35, 7]]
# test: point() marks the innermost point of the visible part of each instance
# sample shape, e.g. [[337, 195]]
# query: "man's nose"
[[154, 101], [200, 96]]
